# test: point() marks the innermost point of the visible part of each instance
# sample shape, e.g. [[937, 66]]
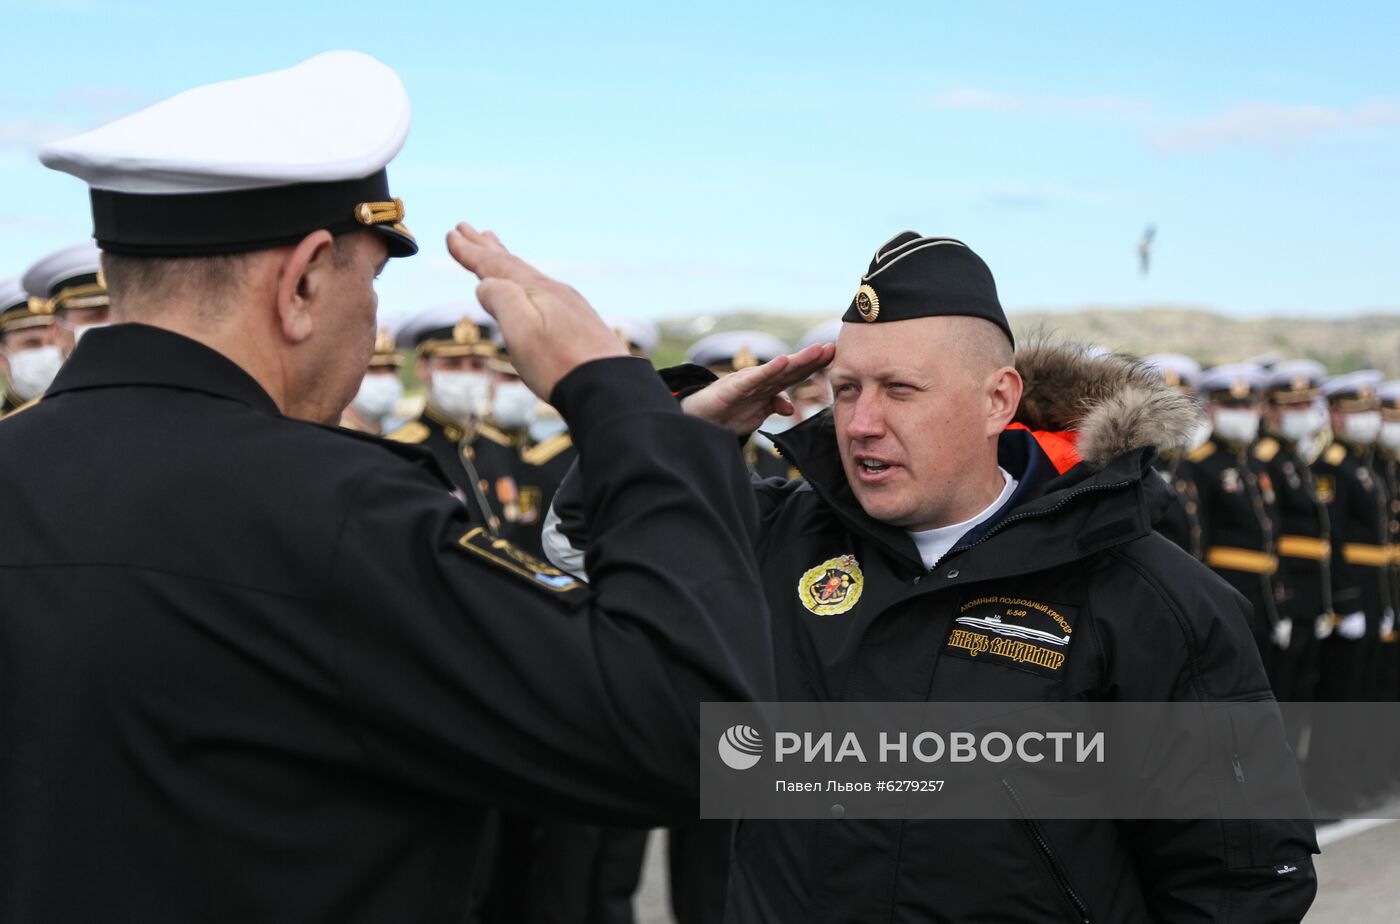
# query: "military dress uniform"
[[280, 674], [1389, 452], [518, 477], [1240, 526], [448, 438], [1358, 506], [1304, 546], [1181, 520]]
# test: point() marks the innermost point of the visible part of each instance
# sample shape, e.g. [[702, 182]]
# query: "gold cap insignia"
[[1239, 388], [1170, 377], [867, 303], [378, 213], [1300, 383], [39, 305], [384, 342], [466, 332], [1365, 392], [744, 358]]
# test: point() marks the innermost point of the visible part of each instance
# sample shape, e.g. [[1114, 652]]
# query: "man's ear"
[[1003, 398], [305, 277]]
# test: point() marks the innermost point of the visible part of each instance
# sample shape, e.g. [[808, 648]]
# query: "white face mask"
[[1236, 424], [460, 394], [378, 396], [513, 405], [33, 371], [543, 428], [1390, 435], [1362, 427], [1299, 426], [81, 329]]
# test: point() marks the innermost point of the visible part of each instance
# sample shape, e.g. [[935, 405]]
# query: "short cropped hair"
[[209, 281]]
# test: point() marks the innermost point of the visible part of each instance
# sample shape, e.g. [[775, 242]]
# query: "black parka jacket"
[[1150, 623]]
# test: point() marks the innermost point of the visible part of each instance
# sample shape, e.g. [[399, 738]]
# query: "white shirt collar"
[[935, 543]]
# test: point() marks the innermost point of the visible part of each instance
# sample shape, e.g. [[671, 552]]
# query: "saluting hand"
[[549, 328], [742, 400]]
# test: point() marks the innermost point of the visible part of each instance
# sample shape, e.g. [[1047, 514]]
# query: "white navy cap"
[[18, 310], [14, 304], [1234, 382], [1296, 381], [735, 349], [1354, 391], [1175, 369], [1389, 393], [69, 278], [825, 332], [641, 337], [249, 164], [454, 329]]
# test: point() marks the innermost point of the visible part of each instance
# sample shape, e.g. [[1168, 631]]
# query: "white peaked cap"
[[249, 164], [49, 274], [341, 115]]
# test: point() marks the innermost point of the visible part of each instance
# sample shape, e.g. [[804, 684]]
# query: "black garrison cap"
[[912, 276]]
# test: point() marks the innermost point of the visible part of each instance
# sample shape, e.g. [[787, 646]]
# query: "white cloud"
[[1271, 125], [29, 134]]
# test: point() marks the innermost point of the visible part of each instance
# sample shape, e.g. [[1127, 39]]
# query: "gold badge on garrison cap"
[[867, 303], [465, 331], [832, 587]]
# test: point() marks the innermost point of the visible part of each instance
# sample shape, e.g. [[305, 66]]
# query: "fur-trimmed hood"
[[1110, 402]]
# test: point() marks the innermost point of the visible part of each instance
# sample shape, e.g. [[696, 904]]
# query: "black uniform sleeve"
[[473, 671]]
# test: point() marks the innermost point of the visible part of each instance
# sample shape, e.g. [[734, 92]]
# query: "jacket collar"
[[1052, 518], [139, 354]]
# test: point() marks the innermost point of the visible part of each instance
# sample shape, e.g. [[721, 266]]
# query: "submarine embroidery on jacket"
[[1015, 632]]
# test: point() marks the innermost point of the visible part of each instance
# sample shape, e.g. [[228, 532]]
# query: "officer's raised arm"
[[478, 670]]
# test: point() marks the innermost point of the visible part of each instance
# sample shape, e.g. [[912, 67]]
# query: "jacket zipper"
[[1040, 513], [1061, 879]]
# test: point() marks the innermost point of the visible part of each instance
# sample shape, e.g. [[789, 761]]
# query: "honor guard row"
[[283, 671], [1291, 498]]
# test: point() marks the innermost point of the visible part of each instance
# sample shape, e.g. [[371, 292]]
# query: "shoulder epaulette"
[[541, 453], [1335, 454], [1266, 449], [1202, 452], [494, 434], [23, 407], [415, 431]]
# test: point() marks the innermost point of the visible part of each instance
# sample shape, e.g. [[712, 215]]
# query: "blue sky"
[[708, 157]]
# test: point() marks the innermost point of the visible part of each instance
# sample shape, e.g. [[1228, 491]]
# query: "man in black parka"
[[918, 494]]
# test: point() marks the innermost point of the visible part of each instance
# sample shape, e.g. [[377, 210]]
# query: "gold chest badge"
[[832, 587]]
